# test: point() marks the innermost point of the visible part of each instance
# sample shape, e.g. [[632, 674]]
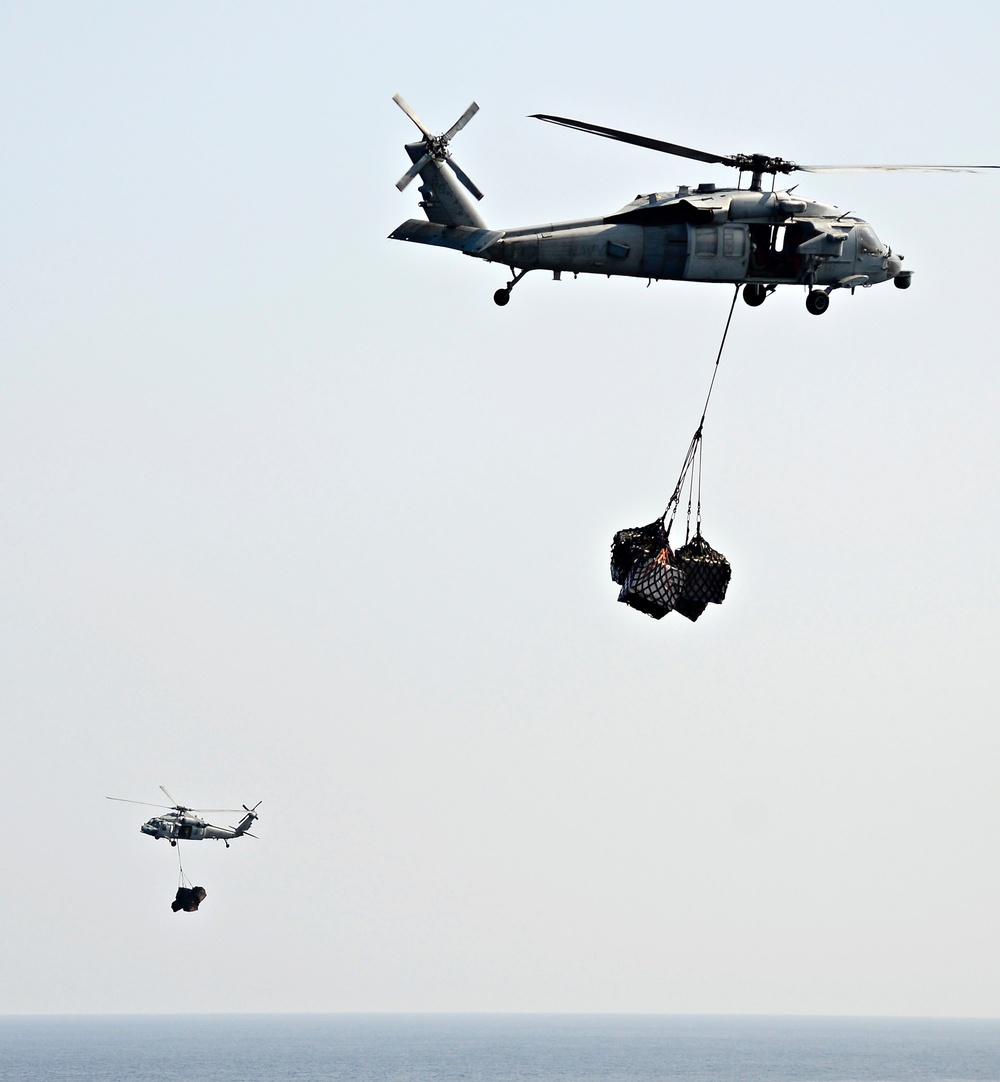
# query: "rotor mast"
[[759, 164]]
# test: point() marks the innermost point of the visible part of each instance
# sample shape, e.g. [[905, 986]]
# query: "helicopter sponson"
[[743, 235]]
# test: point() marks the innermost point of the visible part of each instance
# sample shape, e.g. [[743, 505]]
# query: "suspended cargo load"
[[188, 899], [706, 577], [653, 585]]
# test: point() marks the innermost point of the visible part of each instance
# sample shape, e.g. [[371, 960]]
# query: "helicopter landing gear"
[[817, 302], [755, 294], [502, 296]]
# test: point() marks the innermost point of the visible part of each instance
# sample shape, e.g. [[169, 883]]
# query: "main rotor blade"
[[170, 798], [144, 803], [638, 140], [893, 168], [412, 171], [397, 98], [463, 177], [462, 121]]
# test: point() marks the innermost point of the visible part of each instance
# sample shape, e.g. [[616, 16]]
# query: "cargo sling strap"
[[694, 451], [653, 578]]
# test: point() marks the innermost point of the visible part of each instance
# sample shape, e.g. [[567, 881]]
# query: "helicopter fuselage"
[[183, 826], [709, 235]]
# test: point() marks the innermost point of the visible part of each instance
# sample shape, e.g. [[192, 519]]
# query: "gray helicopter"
[[742, 235], [181, 824]]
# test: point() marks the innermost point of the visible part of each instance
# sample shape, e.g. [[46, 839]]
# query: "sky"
[[291, 512]]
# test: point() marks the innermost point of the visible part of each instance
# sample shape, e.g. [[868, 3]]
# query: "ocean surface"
[[496, 1048]]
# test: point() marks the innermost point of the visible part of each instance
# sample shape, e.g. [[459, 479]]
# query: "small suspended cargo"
[[643, 565], [706, 576], [188, 899]]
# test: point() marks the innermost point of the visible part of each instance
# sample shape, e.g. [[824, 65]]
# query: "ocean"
[[495, 1048]]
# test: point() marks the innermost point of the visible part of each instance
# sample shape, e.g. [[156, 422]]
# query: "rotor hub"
[[437, 147]]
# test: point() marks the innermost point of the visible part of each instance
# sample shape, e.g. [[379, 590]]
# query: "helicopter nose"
[[894, 265]]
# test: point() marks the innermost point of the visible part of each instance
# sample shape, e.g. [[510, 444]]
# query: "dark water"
[[496, 1048]]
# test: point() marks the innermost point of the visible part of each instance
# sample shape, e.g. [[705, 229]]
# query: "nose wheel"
[[817, 302]]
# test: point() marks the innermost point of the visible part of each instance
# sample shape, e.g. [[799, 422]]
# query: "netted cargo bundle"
[[654, 584], [188, 899], [706, 577], [630, 546]]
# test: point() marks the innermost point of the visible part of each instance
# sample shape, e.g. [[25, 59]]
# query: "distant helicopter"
[[737, 235], [181, 824]]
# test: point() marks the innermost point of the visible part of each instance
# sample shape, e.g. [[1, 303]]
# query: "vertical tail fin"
[[246, 822]]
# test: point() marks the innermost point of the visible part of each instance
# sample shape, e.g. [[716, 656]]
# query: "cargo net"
[[656, 579], [188, 897]]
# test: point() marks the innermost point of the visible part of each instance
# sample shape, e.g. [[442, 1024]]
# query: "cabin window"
[[706, 241], [733, 242]]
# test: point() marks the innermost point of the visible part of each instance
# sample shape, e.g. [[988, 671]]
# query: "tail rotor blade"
[[462, 121], [412, 172], [463, 177], [398, 99]]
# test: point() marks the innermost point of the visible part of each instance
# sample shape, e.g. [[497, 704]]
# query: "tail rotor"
[[436, 147], [244, 825]]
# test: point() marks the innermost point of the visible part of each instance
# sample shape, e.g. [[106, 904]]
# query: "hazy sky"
[[293, 513]]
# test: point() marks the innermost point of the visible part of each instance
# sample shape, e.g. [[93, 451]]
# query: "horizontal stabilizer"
[[465, 238]]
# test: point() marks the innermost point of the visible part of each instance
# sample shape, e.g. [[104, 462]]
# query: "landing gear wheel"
[[501, 297], [817, 302], [754, 295]]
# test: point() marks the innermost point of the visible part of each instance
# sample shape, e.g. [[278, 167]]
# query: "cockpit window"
[[868, 242]]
